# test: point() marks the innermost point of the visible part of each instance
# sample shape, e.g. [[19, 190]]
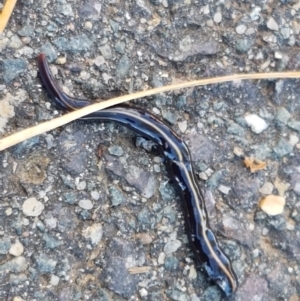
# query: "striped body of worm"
[[177, 156]]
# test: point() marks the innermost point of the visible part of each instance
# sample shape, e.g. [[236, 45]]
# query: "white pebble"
[[192, 273], [85, 204], [293, 140], [95, 195], [16, 249], [271, 24], [161, 258], [88, 25], [256, 123], [224, 189], [203, 176], [240, 29], [278, 55], [217, 17], [8, 211], [54, 280], [182, 126], [32, 207], [143, 292], [81, 185]]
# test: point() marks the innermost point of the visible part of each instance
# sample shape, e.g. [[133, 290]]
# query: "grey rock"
[[278, 222], [167, 191], [190, 46], [12, 68], [72, 150], [176, 295], [50, 52], [51, 242], [143, 7], [215, 179], [283, 148], [116, 150], [180, 101], [26, 30], [283, 115], [235, 129], [294, 124], [26, 146], [15, 265], [172, 246], [114, 25], [70, 197], [146, 217], [212, 293], [123, 67], [66, 9], [74, 45], [106, 51], [243, 45], [119, 256], [197, 142], [4, 245], [17, 279], [171, 263], [169, 117], [120, 47], [45, 264], [246, 190], [69, 182], [116, 196]]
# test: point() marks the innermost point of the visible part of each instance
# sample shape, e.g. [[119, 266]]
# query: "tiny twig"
[[59, 121]]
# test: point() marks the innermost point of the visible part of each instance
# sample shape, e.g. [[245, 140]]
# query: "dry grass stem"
[[67, 118]]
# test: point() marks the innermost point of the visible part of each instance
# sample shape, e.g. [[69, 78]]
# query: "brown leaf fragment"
[[254, 164]]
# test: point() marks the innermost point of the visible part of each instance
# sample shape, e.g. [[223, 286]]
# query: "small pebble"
[[143, 292], [16, 249], [161, 258], [85, 204], [256, 123], [217, 17], [8, 211], [203, 176], [224, 189], [271, 24], [182, 126], [240, 29], [293, 140], [116, 150], [267, 188], [272, 204], [95, 195], [192, 273], [88, 25], [81, 185], [32, 207], [54, 280], [238, 151]]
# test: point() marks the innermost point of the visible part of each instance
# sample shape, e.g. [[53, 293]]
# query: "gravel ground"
[[86, 212]]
